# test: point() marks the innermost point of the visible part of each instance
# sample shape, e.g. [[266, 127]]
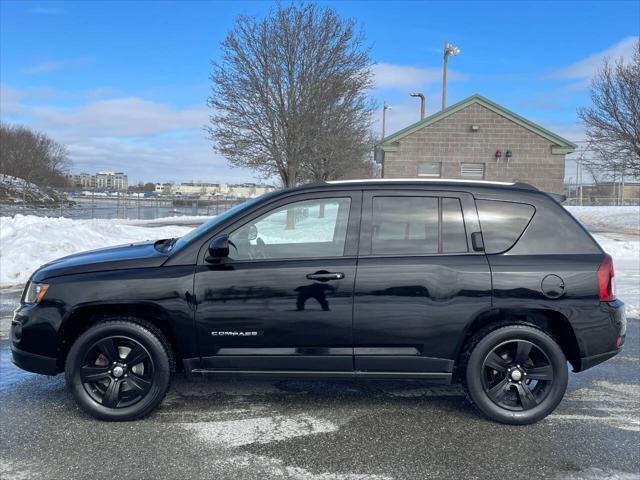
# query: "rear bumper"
[[33, 362], [588, 362], [607, 338]]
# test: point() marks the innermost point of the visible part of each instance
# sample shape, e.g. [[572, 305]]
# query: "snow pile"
[[28, 241], [610, 219], [14, 190]]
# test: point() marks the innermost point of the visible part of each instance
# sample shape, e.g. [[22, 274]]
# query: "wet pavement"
[[319, 430]]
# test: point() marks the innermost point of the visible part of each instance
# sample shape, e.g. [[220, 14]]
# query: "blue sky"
[[124, 84]]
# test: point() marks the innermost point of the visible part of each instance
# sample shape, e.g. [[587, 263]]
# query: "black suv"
[[493, 285]]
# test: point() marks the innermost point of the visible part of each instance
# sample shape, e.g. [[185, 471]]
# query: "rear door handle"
[[323, 276]]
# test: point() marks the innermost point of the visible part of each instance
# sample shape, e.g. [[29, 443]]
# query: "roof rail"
[[522, 185], [416, 180]]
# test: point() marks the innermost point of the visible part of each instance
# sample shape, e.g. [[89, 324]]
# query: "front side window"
[[306, 229], [417, 226], [429, 169]]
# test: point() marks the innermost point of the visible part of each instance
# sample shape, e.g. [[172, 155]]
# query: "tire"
[[516, 374], [119, 370]]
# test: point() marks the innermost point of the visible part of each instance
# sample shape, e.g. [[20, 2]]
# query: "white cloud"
[[150, 141], [10, 101], [587, 67], [51, 66], [124, 117], [388, 75]]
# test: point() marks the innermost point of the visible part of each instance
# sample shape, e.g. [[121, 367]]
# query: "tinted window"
[[454, 237], [313, 228], [405, 225], [554, 231], [409, 225], [502, 223]]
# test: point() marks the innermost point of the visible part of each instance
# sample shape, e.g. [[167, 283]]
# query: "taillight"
[[606, 284]]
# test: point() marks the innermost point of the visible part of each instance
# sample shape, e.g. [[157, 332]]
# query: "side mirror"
[[218, 248]]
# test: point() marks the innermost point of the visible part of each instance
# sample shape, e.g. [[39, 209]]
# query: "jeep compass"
[[492, 285]]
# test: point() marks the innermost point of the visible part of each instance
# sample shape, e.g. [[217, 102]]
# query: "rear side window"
[[502, 223], [417, 226]]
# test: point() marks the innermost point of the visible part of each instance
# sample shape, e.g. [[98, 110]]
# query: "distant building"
[[477, 139], [164, 188], [111, 181], [242, 190]]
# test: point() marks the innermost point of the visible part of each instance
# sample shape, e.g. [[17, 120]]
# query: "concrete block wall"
[[452, 142]]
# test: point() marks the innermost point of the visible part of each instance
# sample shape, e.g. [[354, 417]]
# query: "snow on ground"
[[28, 241], [612, 219]]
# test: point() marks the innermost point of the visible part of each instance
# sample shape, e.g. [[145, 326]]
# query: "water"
[[144, 209]]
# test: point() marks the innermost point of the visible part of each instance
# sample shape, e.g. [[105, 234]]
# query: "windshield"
[[184, 240]]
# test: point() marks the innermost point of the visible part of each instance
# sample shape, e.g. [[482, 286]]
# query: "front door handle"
[[324, 276]]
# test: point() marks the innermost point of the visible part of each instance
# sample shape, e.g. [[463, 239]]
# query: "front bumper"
[[32, 362], [34, 340]]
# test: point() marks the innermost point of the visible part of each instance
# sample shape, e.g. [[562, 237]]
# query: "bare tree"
[[33, 156], [613, 120], [290, 95]]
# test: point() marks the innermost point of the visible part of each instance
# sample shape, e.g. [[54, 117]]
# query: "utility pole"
[[622, 182], [385, 107], [422, 103], [449, 51]]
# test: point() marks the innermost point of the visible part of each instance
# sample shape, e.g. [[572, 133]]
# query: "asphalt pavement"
[[319, 430]]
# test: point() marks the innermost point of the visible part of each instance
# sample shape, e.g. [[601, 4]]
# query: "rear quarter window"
[[502, 223]]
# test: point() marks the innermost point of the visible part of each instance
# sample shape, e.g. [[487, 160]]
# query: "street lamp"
[[384, 116], [422, 101], [449, 51]]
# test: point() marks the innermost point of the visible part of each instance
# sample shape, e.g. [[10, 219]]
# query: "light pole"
[[385, 107], [422, 102], [449, 51]]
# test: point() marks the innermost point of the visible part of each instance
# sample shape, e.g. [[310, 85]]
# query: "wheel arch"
[[551, 321], [81, 318]]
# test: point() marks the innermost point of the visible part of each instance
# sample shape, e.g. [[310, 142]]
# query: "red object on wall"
[[498, 154]]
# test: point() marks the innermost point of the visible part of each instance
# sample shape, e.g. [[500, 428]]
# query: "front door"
[[283, 300], [419, 281]]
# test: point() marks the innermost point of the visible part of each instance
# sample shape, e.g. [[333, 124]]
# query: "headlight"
[[35, 292]]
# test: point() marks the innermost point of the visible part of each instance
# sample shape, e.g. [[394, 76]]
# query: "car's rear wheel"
[[516, 374], [119, 370]]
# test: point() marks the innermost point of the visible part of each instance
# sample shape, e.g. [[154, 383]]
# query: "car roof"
[[419, 183]]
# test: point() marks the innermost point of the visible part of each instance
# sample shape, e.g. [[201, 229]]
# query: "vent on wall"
[[472, 170]]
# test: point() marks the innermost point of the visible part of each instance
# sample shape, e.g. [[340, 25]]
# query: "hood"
[[135, 255]]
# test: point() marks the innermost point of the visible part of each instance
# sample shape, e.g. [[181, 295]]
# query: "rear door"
[[419, 281]]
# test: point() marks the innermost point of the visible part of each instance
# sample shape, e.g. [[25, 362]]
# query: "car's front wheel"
[[516, 374], [119, 370]]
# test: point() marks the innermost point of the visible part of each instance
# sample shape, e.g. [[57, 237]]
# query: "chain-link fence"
[[121, 205], [603, 194]]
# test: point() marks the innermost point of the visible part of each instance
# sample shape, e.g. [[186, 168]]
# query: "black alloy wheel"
[[515, 374], [117, 372], [119, 369]]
